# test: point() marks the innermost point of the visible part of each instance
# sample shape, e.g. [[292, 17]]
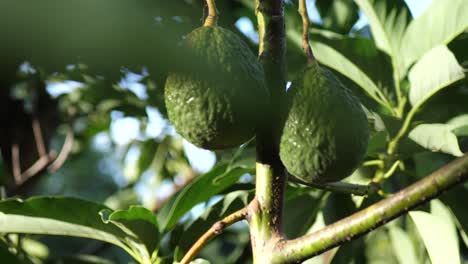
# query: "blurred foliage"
[[98, 68]]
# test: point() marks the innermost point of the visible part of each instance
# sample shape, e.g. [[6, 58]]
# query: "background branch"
[[46, 163], [66, 148], [362, 222], [38, 137]]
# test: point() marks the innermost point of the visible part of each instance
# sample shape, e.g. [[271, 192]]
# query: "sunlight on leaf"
[[402, 245], [138, 222], [58, 216], [459, 125], [437, 138], [438, 25], [436, 70], [438, 236], [201, 189]]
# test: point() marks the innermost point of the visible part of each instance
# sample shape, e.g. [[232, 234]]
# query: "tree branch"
[[362, 222], [216, 229], [266, 220]]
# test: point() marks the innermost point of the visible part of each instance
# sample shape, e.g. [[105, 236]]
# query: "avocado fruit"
[[216, 98], [325, 132]]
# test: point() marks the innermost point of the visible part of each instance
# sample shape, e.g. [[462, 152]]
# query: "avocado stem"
[[212, 18], [305, 32]]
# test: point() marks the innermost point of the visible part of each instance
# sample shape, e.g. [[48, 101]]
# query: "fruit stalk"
[[212, 18], [362, 222], [305, 31]]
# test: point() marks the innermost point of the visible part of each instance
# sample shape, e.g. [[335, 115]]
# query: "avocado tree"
[[334, 144]]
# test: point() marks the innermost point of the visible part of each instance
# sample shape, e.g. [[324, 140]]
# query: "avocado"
[[325, 132], [216, 98]]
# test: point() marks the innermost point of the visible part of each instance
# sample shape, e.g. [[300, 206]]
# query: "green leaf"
[[351, 252], [339, 62], [230, 203], [377, 143], [201, 189], [439, 237], [402, 245], [82, 259], [338, 15], [58, 216], [459, 125], [197, 261], [458, 205], [436, 70], [148, 150], [461, 131], [438, 25], [458, 121], [200, 261], [7, 257], [437, 138], [388, 20], [336, 208], [137, 222], [363, 52], [301, 212], [427, 162]]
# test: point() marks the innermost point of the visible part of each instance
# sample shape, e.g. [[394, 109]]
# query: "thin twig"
[[38, 137], [388, 173], [66, 148], [216, 229], [305, 31], [16, 162], [378, 163], [212, 17], [35, 169], [38, 165], [49, 162]]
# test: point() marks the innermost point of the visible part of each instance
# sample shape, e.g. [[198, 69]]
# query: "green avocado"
[[218, 96], [325, 131]]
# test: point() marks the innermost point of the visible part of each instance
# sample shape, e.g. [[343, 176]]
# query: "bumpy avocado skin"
[[218, 103], [325, 131]]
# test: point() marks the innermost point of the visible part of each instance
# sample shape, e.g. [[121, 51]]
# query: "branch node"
[[218, 227]]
